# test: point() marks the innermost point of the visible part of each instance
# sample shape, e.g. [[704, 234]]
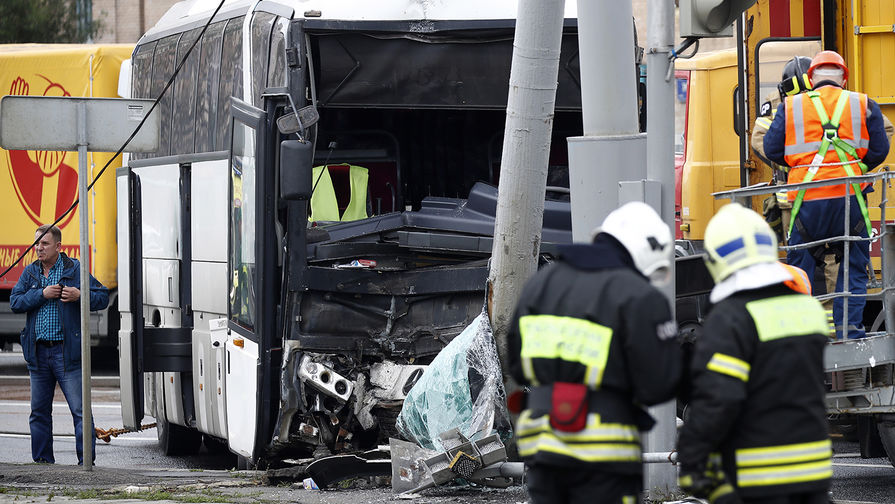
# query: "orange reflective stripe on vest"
[[799, 282], [804, 135]]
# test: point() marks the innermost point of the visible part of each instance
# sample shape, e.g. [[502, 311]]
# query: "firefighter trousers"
[[803, 498], [548, 484]]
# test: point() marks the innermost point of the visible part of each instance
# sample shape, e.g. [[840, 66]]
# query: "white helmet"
[[644, 235], [735, 238]]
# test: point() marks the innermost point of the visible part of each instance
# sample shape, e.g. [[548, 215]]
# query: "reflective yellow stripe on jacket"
[[730, 366], [785, 316], [785, 464], [566, 338], [597, 442]]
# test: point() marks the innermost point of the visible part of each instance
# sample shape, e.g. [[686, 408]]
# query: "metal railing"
[[744, 195]]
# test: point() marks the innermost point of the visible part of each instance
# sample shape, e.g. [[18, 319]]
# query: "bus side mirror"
[[296, 158]]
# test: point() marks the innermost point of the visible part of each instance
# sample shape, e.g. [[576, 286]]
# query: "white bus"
[[273, 332]]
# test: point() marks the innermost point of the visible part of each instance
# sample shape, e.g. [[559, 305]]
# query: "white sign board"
[[51, 123]]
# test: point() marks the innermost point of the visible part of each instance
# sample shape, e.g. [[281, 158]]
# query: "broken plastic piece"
[[357, 264], [336, 468], [462, 388]]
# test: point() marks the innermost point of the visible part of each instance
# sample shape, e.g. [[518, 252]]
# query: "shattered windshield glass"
[[462, 388]]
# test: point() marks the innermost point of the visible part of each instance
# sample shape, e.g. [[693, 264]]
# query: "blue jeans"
[[825, 219], [50, 370]]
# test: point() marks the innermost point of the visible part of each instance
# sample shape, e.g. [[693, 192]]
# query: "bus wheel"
[[219, 449], [177, 440], [244, 463], [886, 426]]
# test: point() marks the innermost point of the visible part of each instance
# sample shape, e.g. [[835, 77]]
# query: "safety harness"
[[843, 149]]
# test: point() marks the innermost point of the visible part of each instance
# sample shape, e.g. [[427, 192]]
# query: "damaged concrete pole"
[[526, 152]]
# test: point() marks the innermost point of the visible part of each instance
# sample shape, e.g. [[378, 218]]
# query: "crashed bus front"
[[286, 283]]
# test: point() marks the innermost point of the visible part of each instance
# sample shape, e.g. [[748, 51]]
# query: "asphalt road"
[[134, 459]]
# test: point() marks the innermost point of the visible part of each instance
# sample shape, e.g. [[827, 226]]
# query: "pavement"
[[32, 483]]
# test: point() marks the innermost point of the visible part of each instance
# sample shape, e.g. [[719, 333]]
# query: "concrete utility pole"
[[660, 168], [526, 152]]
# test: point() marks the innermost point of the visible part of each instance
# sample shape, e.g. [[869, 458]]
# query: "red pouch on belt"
[[569, 407]]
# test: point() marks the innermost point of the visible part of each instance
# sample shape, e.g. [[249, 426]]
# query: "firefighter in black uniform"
[[596, 343], [755, 429]]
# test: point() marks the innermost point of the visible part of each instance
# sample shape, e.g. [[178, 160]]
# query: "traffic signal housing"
[[710, 18]]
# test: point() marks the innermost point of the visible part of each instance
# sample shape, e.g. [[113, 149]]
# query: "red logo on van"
[[45, 184]]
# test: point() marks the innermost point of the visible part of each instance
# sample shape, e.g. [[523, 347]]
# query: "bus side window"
[[185, 96], [231, 80], [262, 23], [142, 72], [162, 69], [276, 72], [207, 92]]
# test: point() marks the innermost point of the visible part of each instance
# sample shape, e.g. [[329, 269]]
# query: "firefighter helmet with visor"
[[645, 236], [795, 77], [735, 238]]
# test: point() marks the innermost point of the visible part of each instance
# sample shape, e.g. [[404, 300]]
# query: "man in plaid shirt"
[[49, 291]]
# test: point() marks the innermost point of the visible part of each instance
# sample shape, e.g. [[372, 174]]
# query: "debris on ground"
[[483, 462], [330, 470]]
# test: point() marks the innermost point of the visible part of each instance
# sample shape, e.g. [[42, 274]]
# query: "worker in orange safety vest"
[[826, 133]]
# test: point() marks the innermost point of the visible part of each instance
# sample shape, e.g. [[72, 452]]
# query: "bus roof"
[[190, 11]]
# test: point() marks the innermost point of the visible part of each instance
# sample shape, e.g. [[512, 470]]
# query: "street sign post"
[[83, 125]]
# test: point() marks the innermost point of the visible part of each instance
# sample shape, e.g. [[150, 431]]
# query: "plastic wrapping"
[[462, 388]]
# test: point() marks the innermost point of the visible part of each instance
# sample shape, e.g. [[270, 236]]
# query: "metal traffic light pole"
[[84, 222], [660, 168]]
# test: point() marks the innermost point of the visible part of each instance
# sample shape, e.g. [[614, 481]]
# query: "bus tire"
[[886, 426], [219, 449], [177, 440], [869, 437], [244, 463]]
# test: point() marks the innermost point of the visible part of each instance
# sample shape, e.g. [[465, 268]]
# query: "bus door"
[[252, 298], [154, 290]]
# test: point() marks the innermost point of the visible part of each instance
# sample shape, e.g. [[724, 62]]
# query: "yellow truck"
[[37, 187], [720, 95], [715, 118]]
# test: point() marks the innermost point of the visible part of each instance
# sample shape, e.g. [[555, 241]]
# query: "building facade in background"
[[125, 20]]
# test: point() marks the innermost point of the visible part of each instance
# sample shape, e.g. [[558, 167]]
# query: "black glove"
[[773, 215], [707, 482], [696, 480], [726, 496]]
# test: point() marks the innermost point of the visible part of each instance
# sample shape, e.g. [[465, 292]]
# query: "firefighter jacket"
[[757, 393], [592, 318], [797, 131], [760, 128]]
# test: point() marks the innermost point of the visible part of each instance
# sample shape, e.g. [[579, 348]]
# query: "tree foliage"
[[45, 21]]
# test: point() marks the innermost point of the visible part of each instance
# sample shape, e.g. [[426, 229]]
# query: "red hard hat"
[[828, 58]]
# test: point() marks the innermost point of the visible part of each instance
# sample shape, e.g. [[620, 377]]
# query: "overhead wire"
[[126, 142]]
